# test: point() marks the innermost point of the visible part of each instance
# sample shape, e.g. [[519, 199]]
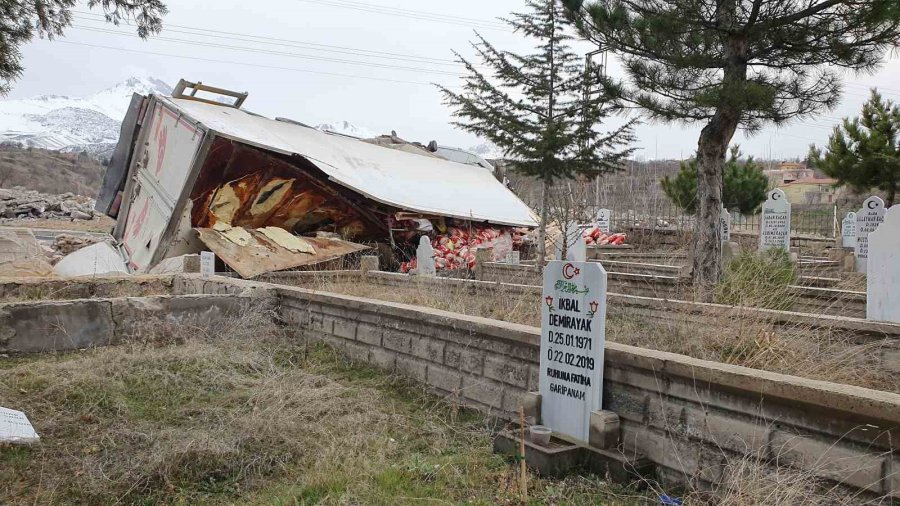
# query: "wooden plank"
[[264, 255]]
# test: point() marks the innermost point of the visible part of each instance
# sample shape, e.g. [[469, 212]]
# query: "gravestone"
[[869, 216], [883, 269], [15, 427], [207, 263], [573, 335], [512, 258], [425, 258], [603, 220], [775, 222], [576, 248], [725, 225], [848, 230]]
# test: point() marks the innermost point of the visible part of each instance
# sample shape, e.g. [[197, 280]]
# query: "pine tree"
[[21, 20], [744, 185], [865, 153], [534, 107], [735, 63]]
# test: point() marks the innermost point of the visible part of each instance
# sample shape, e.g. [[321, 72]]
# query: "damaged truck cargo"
[[268, 195]]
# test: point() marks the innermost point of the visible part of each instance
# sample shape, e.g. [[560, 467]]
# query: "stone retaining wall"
[[688, 416], [76, 323]]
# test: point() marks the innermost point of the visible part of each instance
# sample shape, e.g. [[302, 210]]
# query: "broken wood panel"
[[263, 255]]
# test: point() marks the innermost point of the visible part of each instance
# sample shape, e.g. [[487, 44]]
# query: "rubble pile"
[[21, 203], [64, 244]]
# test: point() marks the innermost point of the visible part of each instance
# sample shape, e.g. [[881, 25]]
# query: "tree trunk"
[[711, 151], [707, 268], [891, 196], [542, 229]]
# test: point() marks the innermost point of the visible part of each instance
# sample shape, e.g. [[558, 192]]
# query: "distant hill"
[[49, 171]]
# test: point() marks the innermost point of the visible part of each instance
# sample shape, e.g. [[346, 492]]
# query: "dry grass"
[[240, 413], [797, 350]]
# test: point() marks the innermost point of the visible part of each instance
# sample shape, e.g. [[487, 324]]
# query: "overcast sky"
[[283, 53]]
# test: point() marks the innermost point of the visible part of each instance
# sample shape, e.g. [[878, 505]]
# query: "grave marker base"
[[565, 456]]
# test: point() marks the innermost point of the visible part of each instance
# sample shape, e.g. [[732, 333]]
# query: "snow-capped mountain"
[[73, 123], [346, 128], [487, 150]]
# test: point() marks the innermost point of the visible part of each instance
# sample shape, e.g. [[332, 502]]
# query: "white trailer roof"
[[408, 181]]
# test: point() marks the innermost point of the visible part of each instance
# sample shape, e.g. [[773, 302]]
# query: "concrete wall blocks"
[[412, 368], [344, 328], [369, 334], [483, 390], [429, 349], [463, 358], [442, 378], [397, 340], [53, 326], [382, 358], [502, 369]]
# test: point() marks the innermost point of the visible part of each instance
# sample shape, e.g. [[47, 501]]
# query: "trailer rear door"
[[162, 164]]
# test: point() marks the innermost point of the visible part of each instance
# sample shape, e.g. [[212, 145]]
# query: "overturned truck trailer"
[[190, 174]]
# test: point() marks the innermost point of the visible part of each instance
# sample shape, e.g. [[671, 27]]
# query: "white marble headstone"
[[725, 226], [15, 427], [425, 258], [573, 333], [883, 269], [576, 248], [775, 222], [207, 263], [869, 216], [512, 258], [603, 219], [848, 230]]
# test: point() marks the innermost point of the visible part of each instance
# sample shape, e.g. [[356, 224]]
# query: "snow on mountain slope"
[[488, 151], [346, 128], [73, 123]]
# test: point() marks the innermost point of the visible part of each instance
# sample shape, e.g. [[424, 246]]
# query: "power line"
[[213, 60], [283, 42], [413, 14], [270, 52], [420, 12]]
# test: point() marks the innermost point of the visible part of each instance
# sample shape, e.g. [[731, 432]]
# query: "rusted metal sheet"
[[248, 187], [262, 254]]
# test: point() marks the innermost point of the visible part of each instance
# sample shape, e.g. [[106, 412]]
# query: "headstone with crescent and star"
[[573, 336], [848, 230], [775, 222], [603, 219], [869, 216]]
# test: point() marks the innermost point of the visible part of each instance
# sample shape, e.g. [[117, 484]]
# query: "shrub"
[[758, 280]]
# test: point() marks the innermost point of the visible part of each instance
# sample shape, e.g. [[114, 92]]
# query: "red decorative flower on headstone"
[[593, 305], [549, 300]]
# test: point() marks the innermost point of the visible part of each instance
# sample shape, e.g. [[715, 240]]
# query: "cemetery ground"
[[240, 414]]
